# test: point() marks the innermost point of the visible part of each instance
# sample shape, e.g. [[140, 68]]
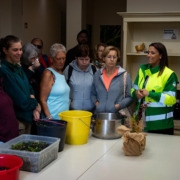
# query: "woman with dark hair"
[[98, 60], [79, 75], [16, 84], [155, 86]]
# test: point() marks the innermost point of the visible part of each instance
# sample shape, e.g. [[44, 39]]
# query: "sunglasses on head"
[[38, 46]]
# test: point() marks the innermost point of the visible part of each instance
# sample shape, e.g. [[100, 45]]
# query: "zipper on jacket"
[[109, 86]]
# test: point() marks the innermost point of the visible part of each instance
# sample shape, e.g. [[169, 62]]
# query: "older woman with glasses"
[[31, 66], [108, 84], [33, 70], [54, 91]]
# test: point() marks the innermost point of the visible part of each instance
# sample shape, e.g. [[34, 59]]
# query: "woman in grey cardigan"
[[108, 84]]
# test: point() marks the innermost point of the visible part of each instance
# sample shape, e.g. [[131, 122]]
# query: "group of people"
[[34, 86]]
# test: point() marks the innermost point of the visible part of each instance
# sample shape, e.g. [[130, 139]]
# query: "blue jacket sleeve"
[[128, 98]]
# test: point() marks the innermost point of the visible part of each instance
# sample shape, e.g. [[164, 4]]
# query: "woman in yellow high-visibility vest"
[[156, 84]]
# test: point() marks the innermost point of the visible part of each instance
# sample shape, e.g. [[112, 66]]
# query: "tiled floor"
[[104, 160]]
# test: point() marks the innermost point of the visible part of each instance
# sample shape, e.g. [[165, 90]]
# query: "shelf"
[[136, 54], [145, 14], [145, 54], [173, 54], [148, 27], [150, 16]]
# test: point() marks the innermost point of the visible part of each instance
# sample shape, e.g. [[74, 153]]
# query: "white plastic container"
[[33, 161]]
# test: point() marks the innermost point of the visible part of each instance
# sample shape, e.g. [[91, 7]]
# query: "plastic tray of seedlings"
[[35, 151]]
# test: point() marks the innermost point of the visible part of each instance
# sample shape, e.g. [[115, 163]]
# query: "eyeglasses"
[[112, 57], [38, 46]]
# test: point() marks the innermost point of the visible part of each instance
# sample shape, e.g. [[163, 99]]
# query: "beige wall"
[[44, 20], [5, 18], [152, 6], [11, 18], [17, 14], [47, 18], [73, 21]]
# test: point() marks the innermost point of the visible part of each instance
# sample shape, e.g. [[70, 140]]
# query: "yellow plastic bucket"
[[78, 126]]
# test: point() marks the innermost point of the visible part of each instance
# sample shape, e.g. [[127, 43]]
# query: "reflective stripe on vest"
[[157, 84], [159, 117], [157, 104], [135, 86], [171, 93]]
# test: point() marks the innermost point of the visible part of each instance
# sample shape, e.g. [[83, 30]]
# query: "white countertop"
[[105, 160]]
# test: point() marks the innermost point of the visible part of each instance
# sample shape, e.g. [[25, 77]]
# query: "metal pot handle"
[[93, 123]]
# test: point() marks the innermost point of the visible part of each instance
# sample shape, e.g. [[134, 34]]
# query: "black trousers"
[[169, 131]]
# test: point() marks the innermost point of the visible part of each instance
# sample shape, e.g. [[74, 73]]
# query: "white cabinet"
[[146, 28]]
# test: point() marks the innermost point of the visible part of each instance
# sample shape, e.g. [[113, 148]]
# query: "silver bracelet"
[[49, 117]]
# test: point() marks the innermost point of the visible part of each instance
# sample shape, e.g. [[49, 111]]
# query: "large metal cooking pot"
[[105, 124]]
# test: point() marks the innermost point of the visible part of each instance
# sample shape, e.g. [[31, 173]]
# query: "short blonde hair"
[[108, 49]]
